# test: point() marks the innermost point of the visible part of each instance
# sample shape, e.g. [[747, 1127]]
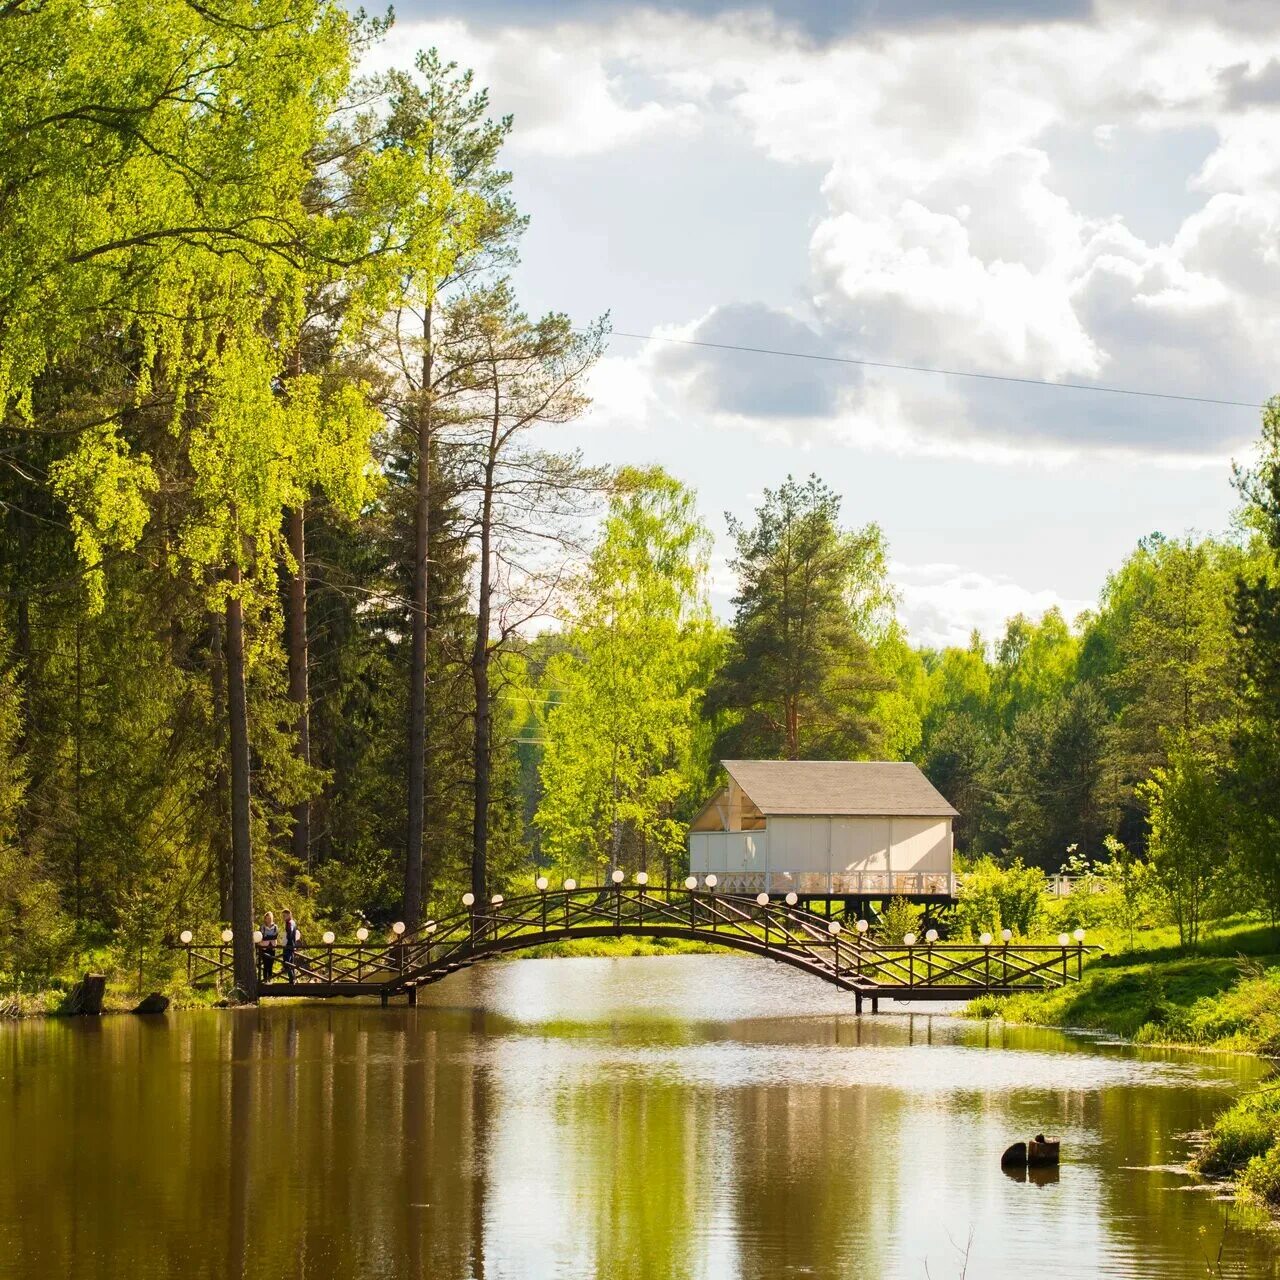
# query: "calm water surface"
[[699, 1116]]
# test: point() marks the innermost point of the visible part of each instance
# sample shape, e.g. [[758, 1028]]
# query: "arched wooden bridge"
[[848, 957]]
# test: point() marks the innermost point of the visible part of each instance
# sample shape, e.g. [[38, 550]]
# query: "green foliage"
[[1256, 739], [1131, 893], [1189, 840], [898, 918], [622, 699], [800, 679], [1245, 1132], [993, 898]]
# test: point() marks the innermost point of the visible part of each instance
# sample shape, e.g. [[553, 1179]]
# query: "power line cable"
[[950, 373]]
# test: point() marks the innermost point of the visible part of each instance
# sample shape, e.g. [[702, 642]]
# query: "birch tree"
[[620, 727]]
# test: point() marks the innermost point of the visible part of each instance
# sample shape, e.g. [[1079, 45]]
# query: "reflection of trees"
[[441, 1145], [815, 1184]]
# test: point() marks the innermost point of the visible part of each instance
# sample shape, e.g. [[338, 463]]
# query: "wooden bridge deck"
[[847, 957]]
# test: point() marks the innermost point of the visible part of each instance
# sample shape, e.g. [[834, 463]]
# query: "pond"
[[705, 1116]]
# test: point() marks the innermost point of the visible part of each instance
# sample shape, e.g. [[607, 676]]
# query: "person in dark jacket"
[[292, 941], [267, 947]]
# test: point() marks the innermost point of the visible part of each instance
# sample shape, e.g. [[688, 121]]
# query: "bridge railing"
[[852, 956]]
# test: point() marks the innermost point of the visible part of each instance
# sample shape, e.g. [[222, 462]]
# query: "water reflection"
[[703, 1117]]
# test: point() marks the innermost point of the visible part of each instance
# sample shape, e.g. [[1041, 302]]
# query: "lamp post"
[[617, 876], [398, 930]]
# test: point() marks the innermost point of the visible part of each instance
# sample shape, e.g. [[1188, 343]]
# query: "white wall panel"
[[859, 844], [921, 844], [799, 844]]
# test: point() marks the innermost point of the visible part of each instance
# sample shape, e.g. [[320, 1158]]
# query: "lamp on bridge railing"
[[691, 883], [1063, 939], [430, 926], [362, 934], [327, 938], [1006, 935], [398, 928], [570, 885], [762, 899], [468, 899], [496, 900], [861, 926], [833, 927], [931, 936], [227, 935], [185, 937], [618, 875], [909, 939], [792, 898], [542, 882], [257, 935], [985, 939], [1078, 935], [711, 881], [642, 877]]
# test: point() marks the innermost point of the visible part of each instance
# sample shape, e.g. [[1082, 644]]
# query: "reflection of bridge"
[[850, 958]]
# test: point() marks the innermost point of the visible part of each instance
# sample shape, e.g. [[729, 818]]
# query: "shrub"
[[993, 897], [898, 918], [1247, 1132], [1261, 1176]]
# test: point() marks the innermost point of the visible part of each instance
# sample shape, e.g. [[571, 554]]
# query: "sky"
[[1057, 190]]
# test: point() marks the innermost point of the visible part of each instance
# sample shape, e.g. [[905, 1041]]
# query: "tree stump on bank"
[[87, 995]]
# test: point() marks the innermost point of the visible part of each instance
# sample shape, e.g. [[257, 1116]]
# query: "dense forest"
[[300, 601]]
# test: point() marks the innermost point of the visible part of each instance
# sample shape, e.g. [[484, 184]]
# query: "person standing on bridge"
[[292, 938], [267, 947]]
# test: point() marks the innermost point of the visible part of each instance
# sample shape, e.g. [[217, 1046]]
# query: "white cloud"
[[942, 603], [570, 96], [944, 241]]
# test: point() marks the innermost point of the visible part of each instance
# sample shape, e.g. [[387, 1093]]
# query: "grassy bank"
[[1226, 996], [121, 997]]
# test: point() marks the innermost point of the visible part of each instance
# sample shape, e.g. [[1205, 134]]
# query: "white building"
[[825, 828]]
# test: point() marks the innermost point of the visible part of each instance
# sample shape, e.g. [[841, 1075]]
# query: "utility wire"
[[950, 373]]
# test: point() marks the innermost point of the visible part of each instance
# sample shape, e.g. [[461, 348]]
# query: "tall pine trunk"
[[298, 677], [221, 716], [418, 663], [480, 654], [244, 953]]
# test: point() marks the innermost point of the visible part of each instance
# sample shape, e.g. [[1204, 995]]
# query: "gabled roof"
[[838, 788]]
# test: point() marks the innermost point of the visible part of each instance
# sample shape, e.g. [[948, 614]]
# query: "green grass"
[[1245, 1143], [1225, 996], [121, 996]]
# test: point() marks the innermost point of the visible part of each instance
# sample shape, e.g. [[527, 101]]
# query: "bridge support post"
[[857, 1003], [412, 994], [875, 1004], [384, 997]]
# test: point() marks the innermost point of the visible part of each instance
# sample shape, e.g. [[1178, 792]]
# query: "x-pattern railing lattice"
[[779, 929]]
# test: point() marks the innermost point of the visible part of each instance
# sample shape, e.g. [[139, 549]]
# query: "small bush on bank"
[[898, 919], [993, 897], [1261, 1177], [1246, 1140]]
